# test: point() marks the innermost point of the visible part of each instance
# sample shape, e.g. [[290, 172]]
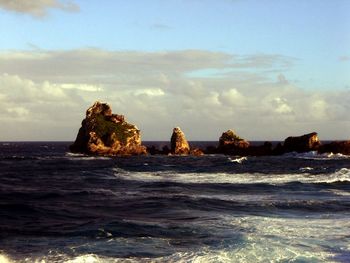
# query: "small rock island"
[[178, 143], [180, 146], [105, 133]]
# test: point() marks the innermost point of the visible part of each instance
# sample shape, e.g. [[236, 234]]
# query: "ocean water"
[[61, 207]]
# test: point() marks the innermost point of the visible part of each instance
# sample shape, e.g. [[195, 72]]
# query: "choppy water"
[[62, 207]]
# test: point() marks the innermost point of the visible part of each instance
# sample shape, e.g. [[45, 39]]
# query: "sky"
[[267, 69]]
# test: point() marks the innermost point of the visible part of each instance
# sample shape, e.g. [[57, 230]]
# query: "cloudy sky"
[[265, 68]]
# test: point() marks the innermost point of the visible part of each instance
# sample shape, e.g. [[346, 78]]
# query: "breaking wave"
[[341, 175]]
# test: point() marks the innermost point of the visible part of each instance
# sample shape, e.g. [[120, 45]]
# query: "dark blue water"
[[62, 207]]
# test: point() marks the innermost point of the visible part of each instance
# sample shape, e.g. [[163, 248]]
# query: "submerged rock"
[[105, 133], [178, 143], [305, 143]]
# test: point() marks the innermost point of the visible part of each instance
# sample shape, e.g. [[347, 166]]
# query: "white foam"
[[314, 155], [281, 239], [260, 239], [335, 155], [88, 258], [4, 259], [342, 175], [237, 160], [84, 157], [303, 169], [75, 154]]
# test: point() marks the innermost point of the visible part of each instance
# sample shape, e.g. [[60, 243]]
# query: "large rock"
[[231, 143], [260, 150], [178, 143], [104, 133], [342, 147], [305, 143]]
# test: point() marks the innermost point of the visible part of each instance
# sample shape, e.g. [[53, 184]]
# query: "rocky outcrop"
[[196, 152], [342, 147], [178, 143], [305, 143], [105, 133], [260, 150], [231, 143]]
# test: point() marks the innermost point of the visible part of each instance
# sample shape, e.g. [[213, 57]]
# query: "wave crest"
[[341, 175]]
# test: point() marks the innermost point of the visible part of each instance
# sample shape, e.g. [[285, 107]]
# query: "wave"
[[20, 157], [314, 155], [265, 239], [84, 157], [86, 258], [4, 259], [238, 160], [340, 176], [307, 168]]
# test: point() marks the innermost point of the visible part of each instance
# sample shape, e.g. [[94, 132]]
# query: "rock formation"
[[178, 143], [304, 143], [260, 150], [231, 143], [104, 133], [196, 152], [342, 147]]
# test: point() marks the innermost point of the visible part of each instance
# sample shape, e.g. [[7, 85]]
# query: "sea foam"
[[341, 175]]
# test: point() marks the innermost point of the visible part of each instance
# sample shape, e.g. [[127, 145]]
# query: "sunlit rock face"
[[231, 143], [342, 147], [305, 143], [178, 143], [196, 152], [105, 133]]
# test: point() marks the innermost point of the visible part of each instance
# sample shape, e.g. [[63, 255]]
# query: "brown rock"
[[261, 150], [104, 133], [305, 143], [178, 143], [196, 152], [231, 143], [342, 147]]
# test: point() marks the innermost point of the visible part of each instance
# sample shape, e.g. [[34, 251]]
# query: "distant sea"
[[61, 207]]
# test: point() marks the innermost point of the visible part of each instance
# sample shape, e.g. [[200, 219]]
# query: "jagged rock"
[[231, 138], [305, 143], [165, 150], [342, 147], [231, 143], [278, 150], [261, 150], [211, 150], [196, 152], [104, 133], [178, 143]]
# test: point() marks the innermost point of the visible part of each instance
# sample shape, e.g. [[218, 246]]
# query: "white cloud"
[[42, 110], [37, 8], [149, 92], [83, 87], [18, 112], [281, 106], [156, 92], [232, 98], [319, 109]]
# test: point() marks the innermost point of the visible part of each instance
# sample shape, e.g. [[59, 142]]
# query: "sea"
[[56, 206]]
